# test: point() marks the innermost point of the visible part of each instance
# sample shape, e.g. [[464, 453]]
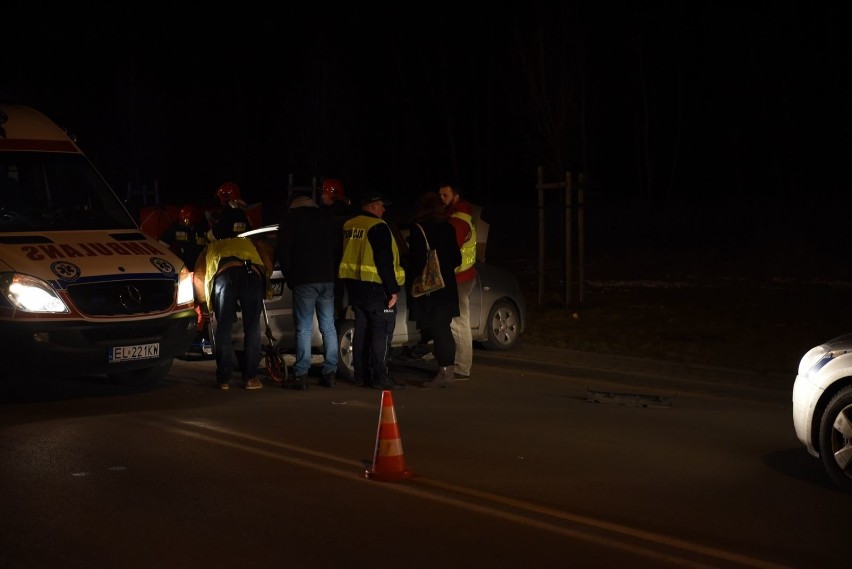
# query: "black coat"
[[443, 305], [308, 244]]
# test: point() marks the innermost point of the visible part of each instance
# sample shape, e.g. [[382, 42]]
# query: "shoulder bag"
[[430, 279]]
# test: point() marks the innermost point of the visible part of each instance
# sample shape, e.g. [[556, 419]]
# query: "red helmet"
[[228, 192], [190, 214], [333, 189]]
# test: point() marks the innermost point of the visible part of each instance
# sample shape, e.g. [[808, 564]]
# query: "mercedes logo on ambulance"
[[130, 298]]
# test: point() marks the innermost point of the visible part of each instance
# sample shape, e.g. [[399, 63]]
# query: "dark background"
[[714, 129]]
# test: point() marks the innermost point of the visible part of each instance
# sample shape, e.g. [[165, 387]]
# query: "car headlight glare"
[[31, 294], [185, 292]]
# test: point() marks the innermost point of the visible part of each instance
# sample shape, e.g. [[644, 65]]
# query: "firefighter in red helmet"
[[186, 236], [332, 190], [334, 199], [230, 192], [340, 208], [233, 212], [190, 215]]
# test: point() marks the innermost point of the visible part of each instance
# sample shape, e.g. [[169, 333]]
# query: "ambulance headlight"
[[185, 292], [31, 294]]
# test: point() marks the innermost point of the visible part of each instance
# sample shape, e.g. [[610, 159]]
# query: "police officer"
[[372, 277]]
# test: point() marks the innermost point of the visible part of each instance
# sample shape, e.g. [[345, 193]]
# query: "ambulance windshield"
[[47, 191]]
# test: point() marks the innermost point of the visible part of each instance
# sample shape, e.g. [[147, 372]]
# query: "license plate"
[[131, 353]]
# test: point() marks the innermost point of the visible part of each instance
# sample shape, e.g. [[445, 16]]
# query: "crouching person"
[[234, 271]]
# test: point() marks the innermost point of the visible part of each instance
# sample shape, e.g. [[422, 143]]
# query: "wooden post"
[[540, 234], [581, 241], [571, 223], [569, 257]]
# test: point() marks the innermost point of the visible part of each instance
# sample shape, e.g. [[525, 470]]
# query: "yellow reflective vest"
[[239, 247], [358, 261], [468, 248]]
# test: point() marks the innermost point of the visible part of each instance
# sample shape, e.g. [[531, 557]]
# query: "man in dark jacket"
[[308, 243]]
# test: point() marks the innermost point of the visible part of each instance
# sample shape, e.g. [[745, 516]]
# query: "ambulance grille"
[[122, 298]]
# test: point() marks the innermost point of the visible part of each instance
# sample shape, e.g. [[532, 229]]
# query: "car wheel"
[[503, 327], [835, 439], [345, 333], [141, 377]]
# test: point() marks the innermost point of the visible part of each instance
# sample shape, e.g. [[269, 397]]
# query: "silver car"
[[497, 311]]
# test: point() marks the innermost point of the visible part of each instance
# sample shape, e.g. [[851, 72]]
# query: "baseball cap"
[[374, 196]]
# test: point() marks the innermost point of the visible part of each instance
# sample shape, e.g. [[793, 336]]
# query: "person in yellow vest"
[[373, 277], [461, 217], [229, 271]]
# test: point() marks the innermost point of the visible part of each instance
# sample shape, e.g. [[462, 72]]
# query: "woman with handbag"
[[433, 311]]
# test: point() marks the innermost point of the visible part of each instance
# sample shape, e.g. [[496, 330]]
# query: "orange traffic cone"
[[388, 461]]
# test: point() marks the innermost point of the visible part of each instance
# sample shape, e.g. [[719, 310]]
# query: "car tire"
[[345, 333], [835, 439], [141, 377], [503, 327]]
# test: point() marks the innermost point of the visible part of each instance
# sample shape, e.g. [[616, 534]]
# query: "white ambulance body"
[[82, 290]]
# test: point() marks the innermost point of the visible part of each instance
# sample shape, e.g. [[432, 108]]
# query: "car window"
[[269, 237]]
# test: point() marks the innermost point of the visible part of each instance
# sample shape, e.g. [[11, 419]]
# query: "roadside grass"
[[758, 325]]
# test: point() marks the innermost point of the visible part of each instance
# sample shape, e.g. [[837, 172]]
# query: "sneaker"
[[253, 383], [298, 383], [461, 376], [327, 380], [223, 386]]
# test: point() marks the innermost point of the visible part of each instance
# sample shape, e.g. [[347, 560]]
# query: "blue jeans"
[[308, 298]]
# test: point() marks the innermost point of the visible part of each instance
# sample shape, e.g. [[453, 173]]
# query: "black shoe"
[[327, 380], [298, 383], [421, 352]]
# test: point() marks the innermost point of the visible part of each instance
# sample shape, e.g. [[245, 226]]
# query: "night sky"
[[657, 103]]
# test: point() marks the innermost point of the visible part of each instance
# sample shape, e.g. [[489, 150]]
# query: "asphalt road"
[[543, 458]]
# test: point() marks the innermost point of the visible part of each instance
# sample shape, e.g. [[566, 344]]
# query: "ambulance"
[[83, 292]]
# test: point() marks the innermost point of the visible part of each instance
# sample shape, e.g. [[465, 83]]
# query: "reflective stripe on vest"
[[358, 262], [468, 248]]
